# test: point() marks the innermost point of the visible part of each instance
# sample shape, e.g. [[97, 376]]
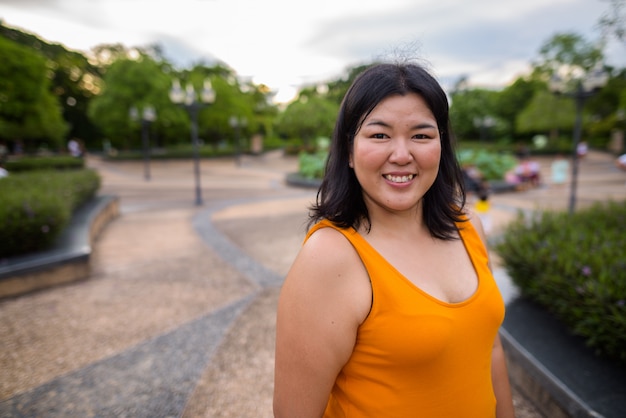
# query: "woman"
[[390, 309]]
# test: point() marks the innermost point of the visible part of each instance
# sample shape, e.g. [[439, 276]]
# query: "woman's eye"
[[420, 136], [379, 136]]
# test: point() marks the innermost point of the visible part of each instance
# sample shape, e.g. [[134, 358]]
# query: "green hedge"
[[37, 206], [492, 165], [178, 152], [575, 266], [44, 163], [312, 165]]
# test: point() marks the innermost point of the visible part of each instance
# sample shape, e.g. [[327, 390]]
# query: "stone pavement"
[[177, 317]]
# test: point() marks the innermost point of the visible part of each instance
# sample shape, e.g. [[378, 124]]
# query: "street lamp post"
[[585, 88], [148, 116], [237, 124], [193, 102], [484, 124]]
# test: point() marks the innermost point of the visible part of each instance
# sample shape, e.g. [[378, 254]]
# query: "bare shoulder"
[[329, 243], [329, 255], [329, 268]]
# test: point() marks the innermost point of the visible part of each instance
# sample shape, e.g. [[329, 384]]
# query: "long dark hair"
[[340, 197]]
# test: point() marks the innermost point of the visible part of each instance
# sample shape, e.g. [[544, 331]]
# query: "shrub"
[[273, 143], [493, 166], [37, 206], [174, 152], [312, 166], [44, 163], [574, 266]]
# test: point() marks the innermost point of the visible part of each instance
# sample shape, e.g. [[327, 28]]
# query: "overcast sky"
[[288, 43]]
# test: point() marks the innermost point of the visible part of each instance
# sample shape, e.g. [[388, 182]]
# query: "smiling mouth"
[[399, 179]]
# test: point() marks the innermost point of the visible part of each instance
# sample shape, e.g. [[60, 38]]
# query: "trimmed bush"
[[493, 166], [37, 206], [574, 266], [171, 153], [312, 166], [44, 163]]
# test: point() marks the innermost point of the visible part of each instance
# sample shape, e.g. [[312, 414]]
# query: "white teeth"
[[399, 179]]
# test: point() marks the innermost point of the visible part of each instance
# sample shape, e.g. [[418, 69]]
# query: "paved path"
[[177, 318]]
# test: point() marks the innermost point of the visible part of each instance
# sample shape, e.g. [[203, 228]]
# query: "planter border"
[[68, 258], [555, 370]]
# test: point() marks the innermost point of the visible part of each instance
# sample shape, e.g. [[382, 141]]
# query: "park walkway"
[[177, 317]]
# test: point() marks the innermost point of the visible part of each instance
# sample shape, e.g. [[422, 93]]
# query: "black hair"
[[340, 197]]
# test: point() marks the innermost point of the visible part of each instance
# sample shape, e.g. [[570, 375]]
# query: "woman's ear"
[[350, 162]]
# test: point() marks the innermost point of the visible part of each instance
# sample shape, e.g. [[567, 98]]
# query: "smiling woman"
[[390, 306], [397, 148]]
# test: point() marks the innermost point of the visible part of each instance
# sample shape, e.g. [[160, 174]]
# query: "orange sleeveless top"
[[415, 355]]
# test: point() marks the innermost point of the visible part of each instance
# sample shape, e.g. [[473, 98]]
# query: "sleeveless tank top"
[[415, 355]]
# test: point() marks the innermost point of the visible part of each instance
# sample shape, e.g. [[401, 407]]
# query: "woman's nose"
[[401, 152]]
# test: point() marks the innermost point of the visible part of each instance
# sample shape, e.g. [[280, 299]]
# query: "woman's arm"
[[500, 381], [499, 372], [324, 299]]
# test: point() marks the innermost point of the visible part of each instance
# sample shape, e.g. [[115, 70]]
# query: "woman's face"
[[396, 154]]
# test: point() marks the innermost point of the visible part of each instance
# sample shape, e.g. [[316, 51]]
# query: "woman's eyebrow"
[[377, 122], [425, 126]]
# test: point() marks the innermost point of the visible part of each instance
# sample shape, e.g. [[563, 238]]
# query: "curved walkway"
[[177, 318]]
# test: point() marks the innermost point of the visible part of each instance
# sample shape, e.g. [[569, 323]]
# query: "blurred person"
[[482, 208], [473, 180], [74, 148], [620, 162], [581, 149], [390, 308], [528, 173]]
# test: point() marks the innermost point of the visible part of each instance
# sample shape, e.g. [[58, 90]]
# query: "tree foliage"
[[95, 93], [74, 80], [612, 23], [308, 119], [513, 99], [29, 112], [569, 56], [474, 113], [545, 113], [129, 84]]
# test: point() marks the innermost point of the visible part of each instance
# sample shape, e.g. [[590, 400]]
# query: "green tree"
[[233, 98], [546, 113], [74, 80], [608, 107], [569, 56], [307, 119], [29, 112], [612, 23], [473, 113], [513, 99], [130, 83], [338, 88]]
